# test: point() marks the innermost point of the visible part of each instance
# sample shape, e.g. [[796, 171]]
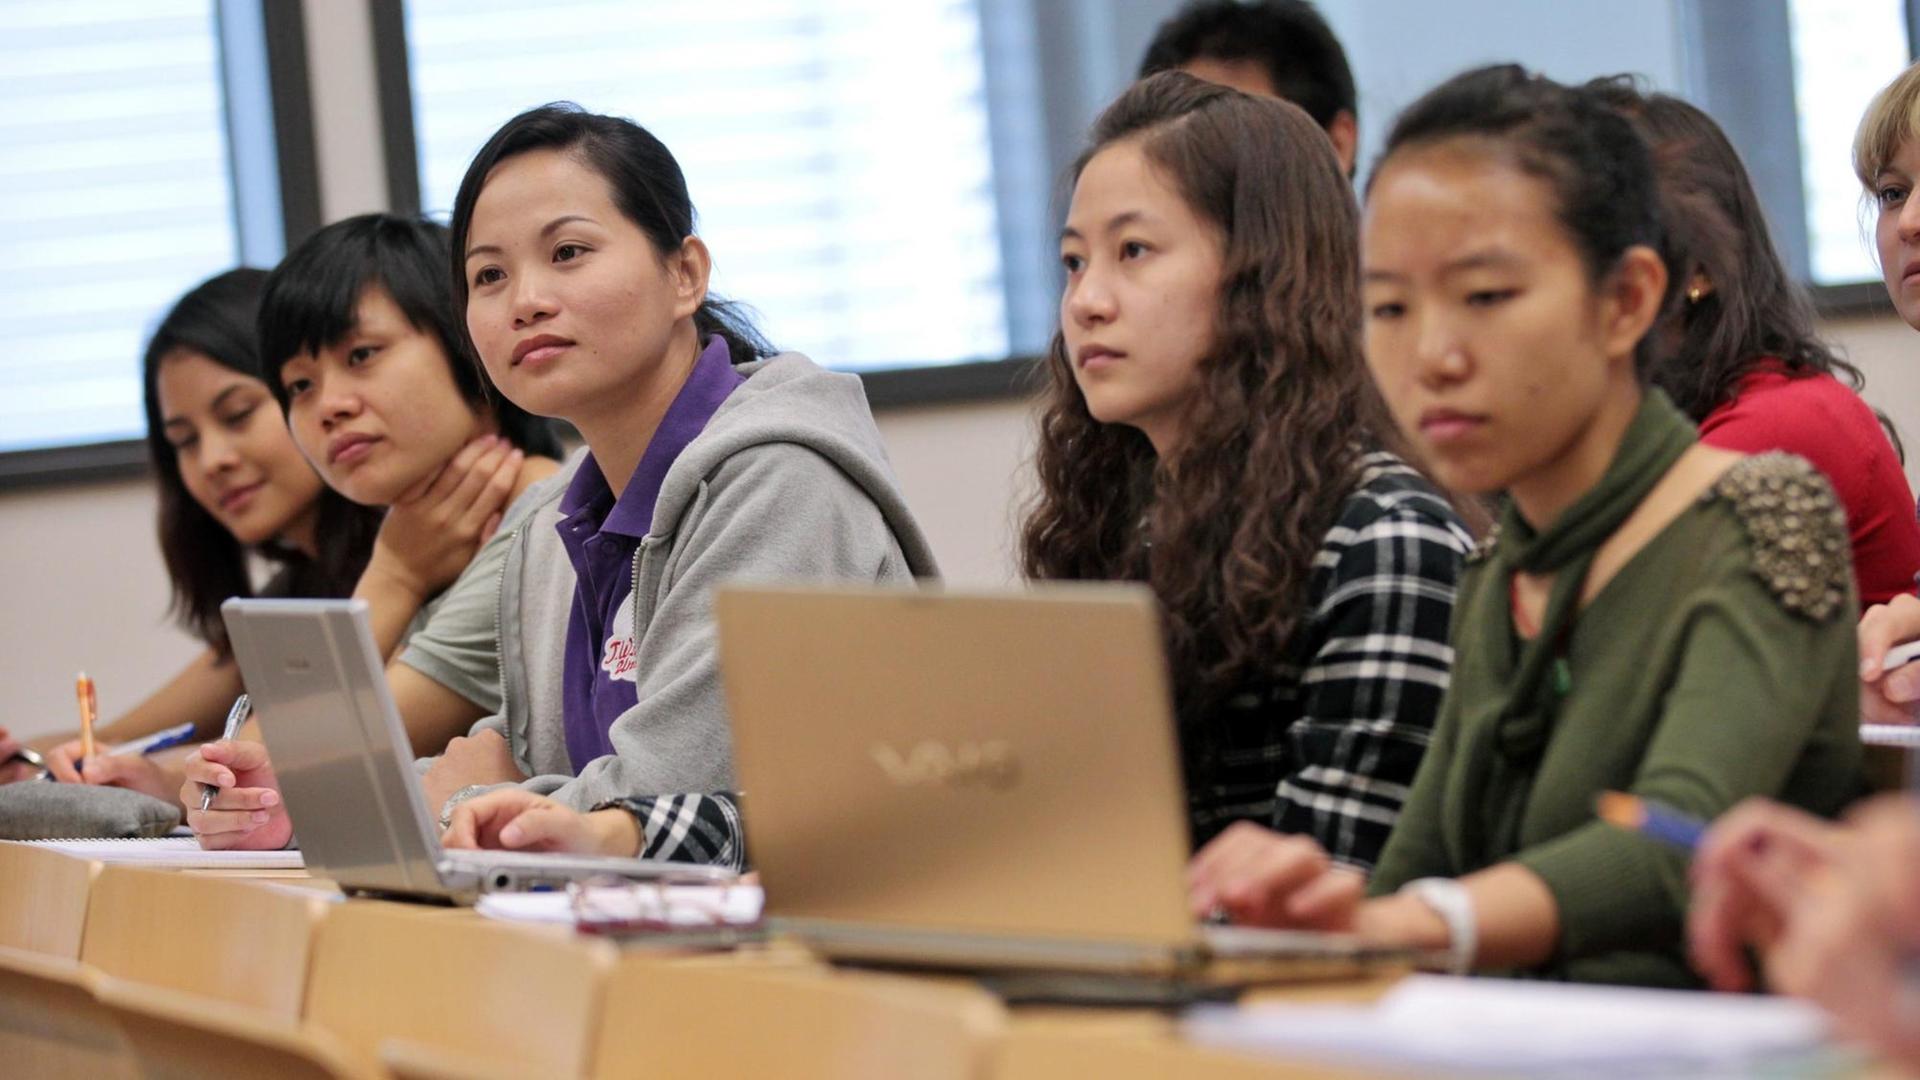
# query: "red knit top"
[[1820, 419]]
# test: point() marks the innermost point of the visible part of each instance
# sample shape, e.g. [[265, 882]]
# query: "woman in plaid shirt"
[[1211, 431]]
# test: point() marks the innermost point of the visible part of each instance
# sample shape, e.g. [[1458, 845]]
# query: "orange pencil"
[[83, 686]]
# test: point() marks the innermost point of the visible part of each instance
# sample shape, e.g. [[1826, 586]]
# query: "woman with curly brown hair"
[[1211, 431]]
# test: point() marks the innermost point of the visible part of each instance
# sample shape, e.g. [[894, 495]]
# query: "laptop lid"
[[340, 753], [960, 761]]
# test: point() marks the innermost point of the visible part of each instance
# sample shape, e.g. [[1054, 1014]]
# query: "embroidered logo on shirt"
[[617, 657]]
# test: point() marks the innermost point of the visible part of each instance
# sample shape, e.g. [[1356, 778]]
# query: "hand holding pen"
[[232, 796], [125, 765], [242, 708], [1889, 682]]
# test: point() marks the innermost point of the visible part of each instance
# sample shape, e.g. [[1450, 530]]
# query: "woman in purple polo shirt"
[[586, 298]]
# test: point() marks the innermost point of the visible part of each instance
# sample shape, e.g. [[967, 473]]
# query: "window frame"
[[254, 37], [1026, 253], [1738, 51], [1020, 38]]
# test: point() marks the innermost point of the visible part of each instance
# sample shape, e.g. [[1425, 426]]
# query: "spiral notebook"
[[171, 853]]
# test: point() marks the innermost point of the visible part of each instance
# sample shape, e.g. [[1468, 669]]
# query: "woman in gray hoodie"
[[708, 459]]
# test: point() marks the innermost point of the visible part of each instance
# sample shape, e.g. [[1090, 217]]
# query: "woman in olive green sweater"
[[1652, 615]]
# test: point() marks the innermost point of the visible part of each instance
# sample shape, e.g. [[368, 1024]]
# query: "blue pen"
[[159, 740], [1651, 819]]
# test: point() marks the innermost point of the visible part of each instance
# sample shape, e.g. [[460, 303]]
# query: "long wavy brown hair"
[[1225, 529]]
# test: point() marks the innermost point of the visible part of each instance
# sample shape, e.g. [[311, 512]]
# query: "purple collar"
[[707, 387]]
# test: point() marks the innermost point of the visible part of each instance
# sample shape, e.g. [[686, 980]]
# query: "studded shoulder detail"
[[1797, 527]]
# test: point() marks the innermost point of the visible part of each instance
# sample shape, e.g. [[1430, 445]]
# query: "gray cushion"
[[40, 810]]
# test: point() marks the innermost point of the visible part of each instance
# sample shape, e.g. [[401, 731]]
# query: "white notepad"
[[1431, 1023], [673, 905], [172, 853]]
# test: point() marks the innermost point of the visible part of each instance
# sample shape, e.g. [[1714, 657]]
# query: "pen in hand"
[[83, 689], [235, 717]]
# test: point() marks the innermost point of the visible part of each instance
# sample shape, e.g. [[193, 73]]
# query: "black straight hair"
[[311, 302], [648, 188], [205, 563], [1596, 165], [1288, 38]]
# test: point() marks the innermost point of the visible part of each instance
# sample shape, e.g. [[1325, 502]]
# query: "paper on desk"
[[676, 905], [1431, 1022], [1890, 735], [172, 853]]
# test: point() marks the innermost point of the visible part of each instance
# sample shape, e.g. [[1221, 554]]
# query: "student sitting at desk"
[[1210, 430], [361, 341], [231, 484], [1652, 615], [585, 291]]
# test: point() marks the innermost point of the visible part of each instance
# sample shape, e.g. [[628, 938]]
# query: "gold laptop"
[[978, 780]]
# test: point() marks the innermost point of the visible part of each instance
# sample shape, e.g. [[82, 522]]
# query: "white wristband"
[[1450, 900]]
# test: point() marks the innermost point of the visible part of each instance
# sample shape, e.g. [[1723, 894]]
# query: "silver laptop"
[[979, 780], [345, 766]]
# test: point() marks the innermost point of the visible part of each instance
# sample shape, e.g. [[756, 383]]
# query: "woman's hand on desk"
[[1889, 697], [1834, 912], [1743, 884], [247, 812], [1259, 877], [517, 820]]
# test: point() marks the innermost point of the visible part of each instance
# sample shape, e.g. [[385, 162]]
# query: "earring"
[[1694, 294]]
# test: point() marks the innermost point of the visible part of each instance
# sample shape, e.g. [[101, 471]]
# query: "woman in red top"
[[1739, 354]]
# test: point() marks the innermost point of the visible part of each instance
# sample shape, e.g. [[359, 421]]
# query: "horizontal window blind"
[[1844, 51], [115, 198], [837, 150]]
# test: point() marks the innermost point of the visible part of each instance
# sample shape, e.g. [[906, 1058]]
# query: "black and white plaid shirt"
[[1327, 746], [688, 828]]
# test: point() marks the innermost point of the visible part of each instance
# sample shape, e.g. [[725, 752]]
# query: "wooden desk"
[[413, 984], [43, 900], [238, 941]]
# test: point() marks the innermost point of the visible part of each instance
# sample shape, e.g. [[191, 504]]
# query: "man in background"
[[1279, 48]]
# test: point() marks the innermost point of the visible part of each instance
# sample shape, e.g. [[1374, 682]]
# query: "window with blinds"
[[837, 150], [1843, 53], [115, 198]]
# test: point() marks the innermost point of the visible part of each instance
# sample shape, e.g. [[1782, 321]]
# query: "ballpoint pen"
[[159, 740], [235, 717]]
